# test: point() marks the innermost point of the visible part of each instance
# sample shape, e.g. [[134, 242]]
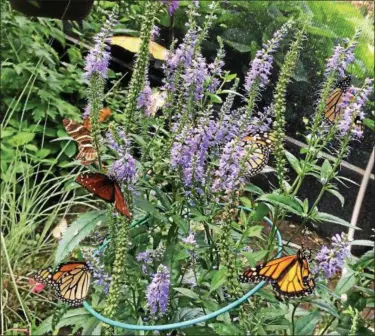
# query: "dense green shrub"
[[40, 86]]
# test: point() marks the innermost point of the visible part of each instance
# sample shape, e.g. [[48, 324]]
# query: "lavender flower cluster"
[[260, 67], [342, 57], [99, 56], [122, 170], [331, 260], [145, 99], [228, 175], [190, 151], [101, 278], [145, 258], [192, 146], [158, 291], [172, 5], [352, 105]]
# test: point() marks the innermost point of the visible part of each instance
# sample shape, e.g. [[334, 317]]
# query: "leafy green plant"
[[40, 87], [33, 200]]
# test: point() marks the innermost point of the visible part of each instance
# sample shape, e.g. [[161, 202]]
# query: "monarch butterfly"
[[258, 148], [333, 109], [289, 275], [71, 281], [334, 100], [105, 188]]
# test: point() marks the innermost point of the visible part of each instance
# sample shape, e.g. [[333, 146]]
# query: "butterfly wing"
[[104, 114], [73, 282], [296, 282], [45, 276], [158, 51], [257, 158], [87, 153], [98, 184], [334, 100], [258, 151], [120, 203], [270, 271]]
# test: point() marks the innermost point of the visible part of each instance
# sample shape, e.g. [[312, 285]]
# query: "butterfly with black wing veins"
[[289, 275], [71, 281], [334, 111], [258, 147], [106, 188]]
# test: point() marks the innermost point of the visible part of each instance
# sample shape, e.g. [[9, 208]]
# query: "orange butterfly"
[[289, 275], [71, 281]]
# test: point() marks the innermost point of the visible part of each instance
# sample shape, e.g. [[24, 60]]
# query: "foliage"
[[33, 200], [186, 173]]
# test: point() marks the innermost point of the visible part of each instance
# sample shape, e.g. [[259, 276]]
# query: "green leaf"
[[260, 211], [148, 207], [242, 48], [307, 324], [284, 202], [42, 153], [338, 195], [230, 77], [70, 148], [225, 329], [369, 123], [322, 216], [185, 314], [218, 279], [7, 132], [293, 162], [254, 257], [346, 283], [79, 230], [72, 317], [187, 292], [326, 170], [254, 231], [215, 98], [272, 312], [21, 138], [194, 331], [181, 223], [252, 188], [327, 306]]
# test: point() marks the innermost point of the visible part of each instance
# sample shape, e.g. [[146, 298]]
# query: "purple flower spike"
[[261, 122], [352, 105], [331, 260], [341, 58], [98, 58], [145, 99], [172, 5], [122, 170], [101, 278], [190, 151], [261, 66], [228, 177], [158, 291]]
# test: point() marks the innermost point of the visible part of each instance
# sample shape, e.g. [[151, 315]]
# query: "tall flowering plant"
[[187, 171]]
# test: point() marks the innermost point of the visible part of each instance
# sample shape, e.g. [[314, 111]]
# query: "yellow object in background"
[[133, 44]]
